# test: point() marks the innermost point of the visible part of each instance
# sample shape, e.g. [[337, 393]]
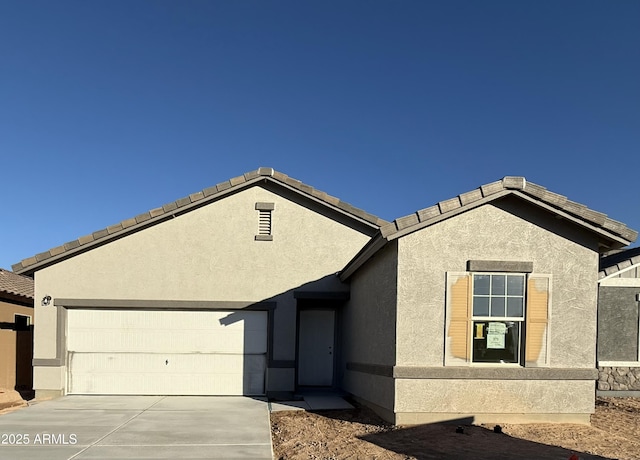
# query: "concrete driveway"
[[118, 427]]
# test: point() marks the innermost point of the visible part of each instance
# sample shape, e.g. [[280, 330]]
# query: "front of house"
[[494, 304], [482, 307], [199, 297]]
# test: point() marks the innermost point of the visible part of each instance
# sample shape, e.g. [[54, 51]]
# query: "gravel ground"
[[354, 434]]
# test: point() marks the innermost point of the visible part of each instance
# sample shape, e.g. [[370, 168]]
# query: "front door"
[[316, 347]]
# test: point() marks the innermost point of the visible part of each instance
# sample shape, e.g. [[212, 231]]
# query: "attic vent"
[[264, 221], [264, 227]]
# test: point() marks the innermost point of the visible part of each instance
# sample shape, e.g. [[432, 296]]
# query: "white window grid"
[[503, 296]]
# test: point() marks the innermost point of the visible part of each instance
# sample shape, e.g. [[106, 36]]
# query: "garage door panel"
[[154, 319], [167, 331], [171, 374], [168, 340], [166, 352]]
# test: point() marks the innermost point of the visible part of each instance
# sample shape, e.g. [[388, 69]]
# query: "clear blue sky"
[[111, 108]]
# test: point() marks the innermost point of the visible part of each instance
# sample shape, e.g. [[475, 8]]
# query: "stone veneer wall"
[[619, 378]]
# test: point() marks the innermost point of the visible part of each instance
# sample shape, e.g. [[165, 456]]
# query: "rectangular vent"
[[264, 221], [264, 224]]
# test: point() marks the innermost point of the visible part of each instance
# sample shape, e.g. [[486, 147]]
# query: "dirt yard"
[[358, 434]]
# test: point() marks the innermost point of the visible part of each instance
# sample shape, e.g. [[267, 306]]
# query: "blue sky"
[[111, 108]]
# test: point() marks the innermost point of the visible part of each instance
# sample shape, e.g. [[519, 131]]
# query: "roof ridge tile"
[[196, 196], [449, 205], [471, 196], [407, 221], [491, 188], [388, 229], [514, 182], [262, 171], [428, 213]]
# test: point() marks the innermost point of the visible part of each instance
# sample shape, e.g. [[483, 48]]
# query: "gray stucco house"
[[482, 306], [618, 324]]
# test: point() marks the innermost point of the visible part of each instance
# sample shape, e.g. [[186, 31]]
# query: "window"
[[498, 315], [22, 322], [497, 318]]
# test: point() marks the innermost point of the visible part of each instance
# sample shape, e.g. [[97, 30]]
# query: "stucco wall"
[[493, 401], [492, 233], [492, 396], [507, 230], [369, 324], [207, 254]]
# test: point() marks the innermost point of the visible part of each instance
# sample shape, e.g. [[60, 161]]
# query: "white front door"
[[315, 347]]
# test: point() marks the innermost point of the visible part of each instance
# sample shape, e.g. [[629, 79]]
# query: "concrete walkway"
[[311, 402], [134, 427]]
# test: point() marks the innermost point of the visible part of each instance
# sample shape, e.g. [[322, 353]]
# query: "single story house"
[[481, 306], [16, 331], [618, 324]]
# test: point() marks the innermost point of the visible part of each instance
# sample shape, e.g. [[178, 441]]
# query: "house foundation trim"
[[474, 373]]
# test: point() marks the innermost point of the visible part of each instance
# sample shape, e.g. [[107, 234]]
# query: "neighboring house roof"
[[618, 261], [614, 233], [15, 285], [191, 202]]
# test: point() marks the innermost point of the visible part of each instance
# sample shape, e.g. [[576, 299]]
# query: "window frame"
[[536, 324], [521, 320]]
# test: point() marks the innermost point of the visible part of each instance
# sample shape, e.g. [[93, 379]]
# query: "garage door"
[[166, 352]]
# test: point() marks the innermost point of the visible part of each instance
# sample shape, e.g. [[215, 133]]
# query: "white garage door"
[[166, 352]]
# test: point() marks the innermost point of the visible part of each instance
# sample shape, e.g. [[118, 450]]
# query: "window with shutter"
[[538, 313], [497, 318]]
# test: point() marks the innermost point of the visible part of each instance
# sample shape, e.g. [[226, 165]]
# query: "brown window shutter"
[[538, 314], [459, 318]]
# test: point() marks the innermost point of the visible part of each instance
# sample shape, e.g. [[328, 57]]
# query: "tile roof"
[[512, 185], [616, 233], [194, 200], [615, 262], [16, 284]]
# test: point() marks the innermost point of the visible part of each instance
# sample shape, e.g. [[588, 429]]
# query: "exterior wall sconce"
[[46, 300]]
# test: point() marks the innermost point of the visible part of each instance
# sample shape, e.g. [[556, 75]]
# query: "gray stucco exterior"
[[370, 319], [427, 390], [204, 259]]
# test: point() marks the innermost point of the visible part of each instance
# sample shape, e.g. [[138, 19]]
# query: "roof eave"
[[16, 298], [336, 208], [372, 247], [613, 239], [196, 200], [608, 240], [392, 232]]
